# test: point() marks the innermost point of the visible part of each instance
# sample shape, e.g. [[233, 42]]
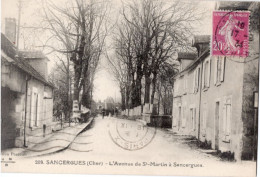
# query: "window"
[[196, 80], [35, 108], [174, 118], [179, 117], [226, 119], [183, 122], [219, 70], [206, 74], [193, 118]]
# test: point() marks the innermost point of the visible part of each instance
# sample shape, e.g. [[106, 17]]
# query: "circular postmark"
[[230, 33], [130, 135]]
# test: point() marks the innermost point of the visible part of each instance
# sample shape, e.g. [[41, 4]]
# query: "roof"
[[200, 39], [9, 53], [193, 63], [229, 5], [32, 54], [187, 55]]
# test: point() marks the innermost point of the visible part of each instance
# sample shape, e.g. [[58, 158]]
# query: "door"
[[217, 126], [179, 119]]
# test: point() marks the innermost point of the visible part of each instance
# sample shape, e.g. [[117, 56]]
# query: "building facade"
[[26, 97], [213, 96]]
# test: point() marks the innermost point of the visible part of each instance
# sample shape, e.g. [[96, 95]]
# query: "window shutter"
[[224, 120], [222, 69], [194, 81], [215, 70], [39, 110], [191, 118], [174, 122], [194, 118], [31, 110], [209, 71], [183, 117], [228, 119], [203, 75], [198, 79]]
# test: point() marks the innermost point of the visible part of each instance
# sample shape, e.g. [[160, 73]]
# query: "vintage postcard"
[[133, 87]]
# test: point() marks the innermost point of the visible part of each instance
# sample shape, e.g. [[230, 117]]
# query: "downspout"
[[200, 96], [25, 117]]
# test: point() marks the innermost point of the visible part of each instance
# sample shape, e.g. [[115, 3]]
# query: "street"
[[146, 87], [96, 145]]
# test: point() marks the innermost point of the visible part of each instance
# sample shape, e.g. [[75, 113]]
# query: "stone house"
[[213, 96], [26, 96]]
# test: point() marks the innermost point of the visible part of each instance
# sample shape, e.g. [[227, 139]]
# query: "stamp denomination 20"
[[230, 33]]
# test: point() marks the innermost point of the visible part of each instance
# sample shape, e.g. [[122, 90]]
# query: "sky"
[[104, 84]]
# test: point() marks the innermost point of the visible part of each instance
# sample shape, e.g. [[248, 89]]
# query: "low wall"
[[161, 121]]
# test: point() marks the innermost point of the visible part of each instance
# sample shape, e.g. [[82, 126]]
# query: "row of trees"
[[75, 32], [146, 38]]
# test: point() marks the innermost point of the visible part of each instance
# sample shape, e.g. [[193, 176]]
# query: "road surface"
[[97, 148]]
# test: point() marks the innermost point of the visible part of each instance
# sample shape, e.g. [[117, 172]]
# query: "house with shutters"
[[26, 96], [213, 97]]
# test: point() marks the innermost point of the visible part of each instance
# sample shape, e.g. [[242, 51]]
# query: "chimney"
[[37, 60], [185, 58], [10, 29], [201, 42]]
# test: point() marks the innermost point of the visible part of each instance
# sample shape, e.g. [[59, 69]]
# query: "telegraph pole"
[[19, 22]]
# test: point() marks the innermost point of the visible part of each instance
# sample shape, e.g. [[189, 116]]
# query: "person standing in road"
[[103, 113]]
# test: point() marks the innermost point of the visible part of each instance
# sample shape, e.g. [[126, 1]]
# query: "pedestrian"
[[103, 113]]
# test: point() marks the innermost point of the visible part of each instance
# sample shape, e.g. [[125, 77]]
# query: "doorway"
[[217, 126], [179, 118]]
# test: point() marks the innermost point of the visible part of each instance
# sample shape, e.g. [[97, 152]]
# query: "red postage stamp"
[[230, 33]]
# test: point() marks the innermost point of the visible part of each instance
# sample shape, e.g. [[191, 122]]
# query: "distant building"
[[26, 96], [109, 103], [213, 96], [100, 105]]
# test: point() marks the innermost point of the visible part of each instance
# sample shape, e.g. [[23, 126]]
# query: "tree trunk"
[[138, 91], [127, 95], [76, 92], [154, 87], [147, 89], [67, 115], [122, 91], [132, 93], [77, 74]]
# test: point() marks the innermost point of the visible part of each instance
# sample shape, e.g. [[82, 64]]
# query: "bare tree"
[[124, 60], [61, 77], [158, 30], [79, 30], [119, 70]]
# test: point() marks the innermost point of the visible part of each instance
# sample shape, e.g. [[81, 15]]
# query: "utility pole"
[[19, 22]]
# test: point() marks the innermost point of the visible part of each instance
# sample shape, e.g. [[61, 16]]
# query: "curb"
[[89, 123]]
